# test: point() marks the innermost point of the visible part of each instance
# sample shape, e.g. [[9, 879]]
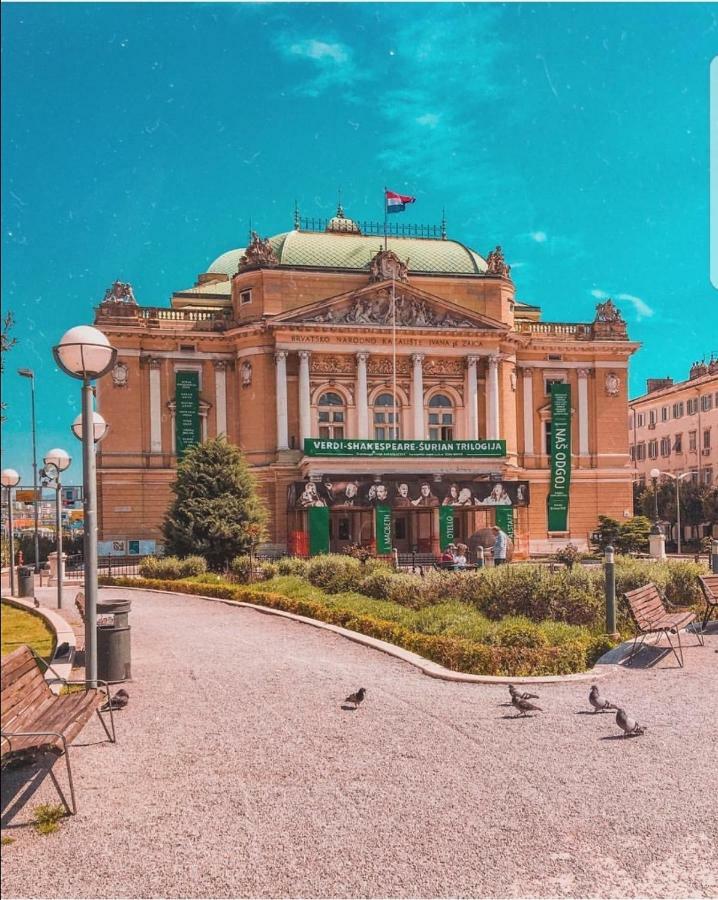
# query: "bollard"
[[395, 555], [480, 557], [609, 570], [714, 557]]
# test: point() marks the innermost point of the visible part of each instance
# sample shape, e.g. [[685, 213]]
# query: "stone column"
[[362, 396], [528, 411], [305, 413], [492, 398], [280, 358], [220, 396], [583, 412], [155, 406], [472, 398], [417, 398]]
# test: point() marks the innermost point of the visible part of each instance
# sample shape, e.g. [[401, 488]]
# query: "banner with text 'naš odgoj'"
[[560, 457], [187, 430]]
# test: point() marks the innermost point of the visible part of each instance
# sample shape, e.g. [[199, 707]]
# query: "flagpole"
[[393, 342], [385, 222]]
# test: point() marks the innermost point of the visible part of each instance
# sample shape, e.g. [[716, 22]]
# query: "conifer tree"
[[216, 512]]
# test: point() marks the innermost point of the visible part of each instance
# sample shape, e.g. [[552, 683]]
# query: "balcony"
[[149, 317]]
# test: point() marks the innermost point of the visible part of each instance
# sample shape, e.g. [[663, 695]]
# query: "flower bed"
[[513, 647]]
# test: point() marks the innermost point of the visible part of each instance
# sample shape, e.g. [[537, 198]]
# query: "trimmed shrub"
[[267, 570], [168, 567], [193, 565], [335, 573], [517, 631], [377, 585], [292, 565], [241, 568]]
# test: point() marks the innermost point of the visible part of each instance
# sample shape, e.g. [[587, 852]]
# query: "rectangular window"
[[694, 476], [640, 451], [706, 402], [441, 426], [678, 443], [678, 410], [547, 438], [708, 475], [707, 439], [640, 419], [665, 413], [651, 417], [665, 446], [554, 380], [692, 406], [245, 297], [693, 440], [632, 450], [653, 449]]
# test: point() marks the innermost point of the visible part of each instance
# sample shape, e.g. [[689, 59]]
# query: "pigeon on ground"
[[629, 726], [62, 650], [356, 698], [117, 701], [36, 602], [524, 706], [598, 702], [522, 695]]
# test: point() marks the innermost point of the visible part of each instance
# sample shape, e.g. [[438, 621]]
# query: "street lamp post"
[[655, 475], [10, 479], [85, 353], [677, 479], [656, 539], [28, 373], [56, 461]]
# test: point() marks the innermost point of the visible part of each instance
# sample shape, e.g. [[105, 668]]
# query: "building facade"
[[384, 392], [674, 427]]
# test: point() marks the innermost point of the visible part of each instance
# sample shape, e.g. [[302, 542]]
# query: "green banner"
[[446, 526], [465, 449], [187, 430], [505, 520], [560, 457], [318, 530], [383, 530]]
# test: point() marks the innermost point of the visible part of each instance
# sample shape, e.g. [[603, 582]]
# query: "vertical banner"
[[187, 430], [505, 520], [318, 530], [383, 530], [446, 526], [560, 457]]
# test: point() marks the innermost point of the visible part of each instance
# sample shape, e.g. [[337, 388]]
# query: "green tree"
[[607, 532], [633, 535], [216, 512]]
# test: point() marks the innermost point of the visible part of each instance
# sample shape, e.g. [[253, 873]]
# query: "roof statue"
[[386, 266], [608, 312], [259, 252], [119, 292], [496, 264], [608, 323]]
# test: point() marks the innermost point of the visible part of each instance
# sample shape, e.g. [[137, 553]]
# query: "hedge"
[[457, 654]]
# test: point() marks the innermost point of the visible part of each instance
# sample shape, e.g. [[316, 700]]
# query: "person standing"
[[501, 545]]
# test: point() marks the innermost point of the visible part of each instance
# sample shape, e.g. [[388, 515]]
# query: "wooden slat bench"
[[709, 586], [34, 720], [652, 617]]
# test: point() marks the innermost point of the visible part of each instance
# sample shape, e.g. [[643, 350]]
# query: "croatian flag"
[[397, 202]]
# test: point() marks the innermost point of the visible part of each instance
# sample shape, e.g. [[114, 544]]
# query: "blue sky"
[[140, 139]]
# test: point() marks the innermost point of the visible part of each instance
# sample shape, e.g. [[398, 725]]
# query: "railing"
[[106, 565], [568, 328], [393, 229], [149, 315]]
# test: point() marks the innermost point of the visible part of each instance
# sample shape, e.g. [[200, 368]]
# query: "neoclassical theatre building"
[[392, 393]]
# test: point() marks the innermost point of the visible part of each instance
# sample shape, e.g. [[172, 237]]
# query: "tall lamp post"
[[10, 479], [28, 373], [56, 461], [677, 479], [85, 353], [656, 539]]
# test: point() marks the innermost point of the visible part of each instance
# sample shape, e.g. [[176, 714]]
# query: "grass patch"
[[6, 840], [21, 626], [47, 817]]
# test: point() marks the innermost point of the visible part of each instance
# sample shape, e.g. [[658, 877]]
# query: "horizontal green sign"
[[488, 449]]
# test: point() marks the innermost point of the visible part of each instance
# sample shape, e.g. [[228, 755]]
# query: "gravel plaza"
[[238, 774]]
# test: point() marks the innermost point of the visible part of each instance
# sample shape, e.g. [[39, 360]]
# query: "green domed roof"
[[342, 250]]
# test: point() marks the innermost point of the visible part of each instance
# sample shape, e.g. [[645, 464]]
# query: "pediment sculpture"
[[377, 309], [608, 312], [608, 323], [258, 252], [119, 292], [386, 266]]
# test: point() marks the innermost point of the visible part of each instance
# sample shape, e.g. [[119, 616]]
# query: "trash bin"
[[25, 582], [113, 640]]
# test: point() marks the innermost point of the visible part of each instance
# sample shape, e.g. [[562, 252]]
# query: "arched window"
[[441, 418], [386, 418], [332, 417]]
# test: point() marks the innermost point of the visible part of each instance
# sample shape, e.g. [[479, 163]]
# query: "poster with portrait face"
[[409, 492]]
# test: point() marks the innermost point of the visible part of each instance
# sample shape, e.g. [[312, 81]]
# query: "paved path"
[[238, 774]]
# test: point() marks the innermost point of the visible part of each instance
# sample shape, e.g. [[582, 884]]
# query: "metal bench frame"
[[657, 620], [709, 586]]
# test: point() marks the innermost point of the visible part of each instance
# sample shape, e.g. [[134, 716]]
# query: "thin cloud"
[[331, 63], [540, 237], [320, 50]]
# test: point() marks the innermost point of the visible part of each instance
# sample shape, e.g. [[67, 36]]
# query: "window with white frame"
[[692, 406], [387, 418], [547, 437], [332, 415], [552, 379], [441, 418], [678, 410], [693, 440], [651, 417], [665, 413], [665, 446], [640, 451], [640, 420], [678, 443], [708, 475], [653, 449], [706, 402], [706, 438]]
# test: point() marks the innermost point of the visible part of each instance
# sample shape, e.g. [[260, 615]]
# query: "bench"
[[652, 617], [34, 720], [709, 586]]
